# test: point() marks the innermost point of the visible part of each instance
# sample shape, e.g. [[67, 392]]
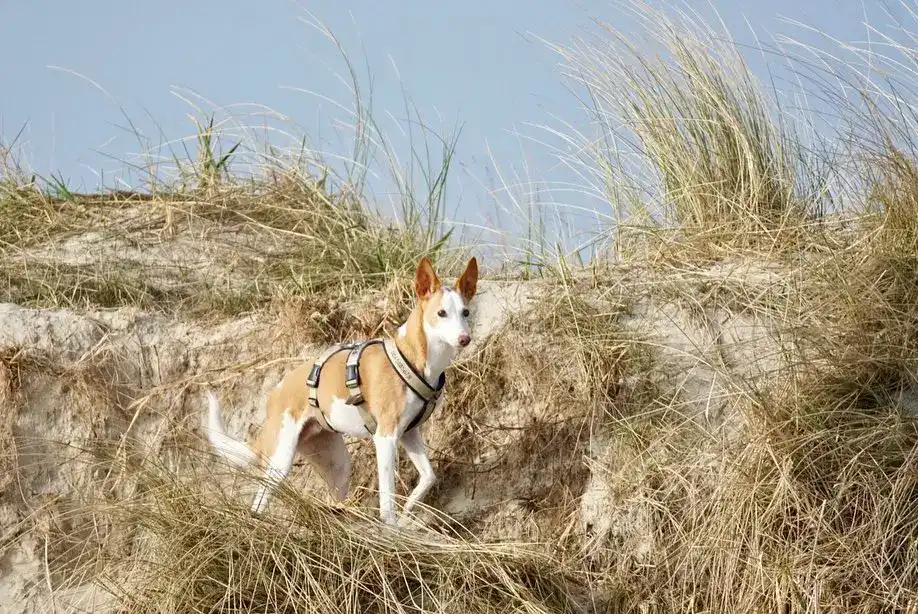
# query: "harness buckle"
[[351, 376], [355, 398], [313, 380]]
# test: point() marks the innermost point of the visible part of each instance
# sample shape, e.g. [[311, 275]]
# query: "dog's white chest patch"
[[346, 419]]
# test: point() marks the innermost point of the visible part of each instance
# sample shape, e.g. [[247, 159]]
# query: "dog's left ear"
[[468, 281]]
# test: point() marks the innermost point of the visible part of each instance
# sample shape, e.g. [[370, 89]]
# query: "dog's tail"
[[234, 451]]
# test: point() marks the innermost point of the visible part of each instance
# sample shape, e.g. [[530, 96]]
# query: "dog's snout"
[[464, 339]]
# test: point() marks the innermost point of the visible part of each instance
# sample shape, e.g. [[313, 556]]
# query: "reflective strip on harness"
[[352, 381], [352, 375]]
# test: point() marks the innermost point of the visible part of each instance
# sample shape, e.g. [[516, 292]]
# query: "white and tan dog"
[[428, 341]]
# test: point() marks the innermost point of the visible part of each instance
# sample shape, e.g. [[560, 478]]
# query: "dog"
[[377, 389]]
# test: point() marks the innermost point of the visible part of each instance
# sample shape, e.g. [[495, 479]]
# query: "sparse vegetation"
[[719, 418]]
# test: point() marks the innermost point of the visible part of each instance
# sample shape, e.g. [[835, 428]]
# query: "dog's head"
[[445, 309]]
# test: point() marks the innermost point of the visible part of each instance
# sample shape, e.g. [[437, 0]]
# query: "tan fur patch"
[[430, 308]]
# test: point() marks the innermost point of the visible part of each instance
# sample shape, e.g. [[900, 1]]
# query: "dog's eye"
[[465, 313], [442, 313]]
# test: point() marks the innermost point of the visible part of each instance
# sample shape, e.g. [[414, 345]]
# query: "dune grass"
[[320, 559], [808, 505], [803, 498], [235, 247]]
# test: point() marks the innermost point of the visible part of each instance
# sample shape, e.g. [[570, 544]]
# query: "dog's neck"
[[427, 355]]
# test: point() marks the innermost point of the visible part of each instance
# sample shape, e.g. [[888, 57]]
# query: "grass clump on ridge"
[[205, 553], [690, 143], [244, 245], [212, 241]]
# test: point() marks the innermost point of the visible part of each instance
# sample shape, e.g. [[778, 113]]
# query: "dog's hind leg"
[[280, 461], [328, 455]]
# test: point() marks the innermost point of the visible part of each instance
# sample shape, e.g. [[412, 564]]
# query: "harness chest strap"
[[415, 382]]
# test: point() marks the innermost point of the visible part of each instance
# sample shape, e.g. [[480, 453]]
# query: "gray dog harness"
[[415, 381]]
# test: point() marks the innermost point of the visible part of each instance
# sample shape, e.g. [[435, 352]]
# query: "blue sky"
[[475, 63]]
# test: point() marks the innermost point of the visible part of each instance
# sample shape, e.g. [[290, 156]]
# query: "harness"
[[411, 378]]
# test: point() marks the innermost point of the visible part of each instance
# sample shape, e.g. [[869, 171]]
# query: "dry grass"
[[689, 140], [318, 559], [800, 497], [806, 503], [211, 242], [240, 248]]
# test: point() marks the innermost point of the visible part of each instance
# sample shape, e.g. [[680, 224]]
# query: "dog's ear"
[[426, 281], [468, 281]]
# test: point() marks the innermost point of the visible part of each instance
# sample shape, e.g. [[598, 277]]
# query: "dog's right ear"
[[426, 281], [468, 281]]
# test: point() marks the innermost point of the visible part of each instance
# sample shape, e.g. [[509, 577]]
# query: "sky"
[[78, 80]]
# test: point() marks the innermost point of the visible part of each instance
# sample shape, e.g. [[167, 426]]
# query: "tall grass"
[[807, 504], [228, 221], [684, 136], [800, 498], [319, 559]]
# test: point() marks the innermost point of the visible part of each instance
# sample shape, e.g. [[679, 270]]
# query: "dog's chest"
[[347, 419]]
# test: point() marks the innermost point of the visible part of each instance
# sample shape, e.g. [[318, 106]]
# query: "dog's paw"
[[409, 521], [389, 520]]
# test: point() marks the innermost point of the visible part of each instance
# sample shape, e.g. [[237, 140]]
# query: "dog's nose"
[[464, 339]]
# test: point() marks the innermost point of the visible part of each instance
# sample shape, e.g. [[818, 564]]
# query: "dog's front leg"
[[386, 451], [413, 443]]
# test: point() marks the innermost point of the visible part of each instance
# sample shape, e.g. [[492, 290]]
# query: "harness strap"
[[402, 367], [312, 382], [352, 381], [423, 415], [415, 382]]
